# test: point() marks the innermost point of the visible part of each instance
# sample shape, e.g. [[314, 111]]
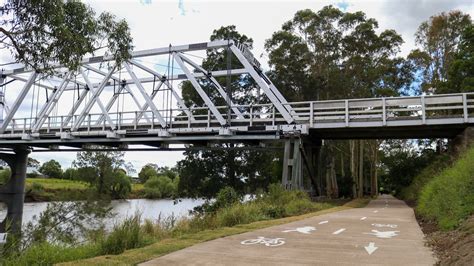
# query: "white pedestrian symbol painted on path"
[[269, 242], [383, 234], [371, 248], [303, 230], [385, 225]]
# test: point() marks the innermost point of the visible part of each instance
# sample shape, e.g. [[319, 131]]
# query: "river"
[[149, 209]]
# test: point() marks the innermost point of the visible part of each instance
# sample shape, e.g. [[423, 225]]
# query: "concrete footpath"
[[383, 233]]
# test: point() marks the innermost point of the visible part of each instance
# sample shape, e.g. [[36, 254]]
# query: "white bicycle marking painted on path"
[[303, 230], [339, 231], [269, 242], [385, 225], [383, 234], [324, 222]]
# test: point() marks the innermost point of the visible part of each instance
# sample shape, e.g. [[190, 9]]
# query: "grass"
[[448, 198], [180, 240], [131, 241]]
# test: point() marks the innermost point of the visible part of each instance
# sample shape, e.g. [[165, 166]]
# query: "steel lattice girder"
[[94, 90]]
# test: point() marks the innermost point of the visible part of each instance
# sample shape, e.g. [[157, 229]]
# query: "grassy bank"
[[442, 192], [51, 189], [132, 242]]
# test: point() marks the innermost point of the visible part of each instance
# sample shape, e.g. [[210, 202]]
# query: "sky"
[[156, 23]]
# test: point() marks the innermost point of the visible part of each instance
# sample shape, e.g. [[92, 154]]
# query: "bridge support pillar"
[[13, 192], [292, 176]]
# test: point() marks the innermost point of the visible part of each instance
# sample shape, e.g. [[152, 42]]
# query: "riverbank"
[[51, 189], [133, 241], [183, 240]]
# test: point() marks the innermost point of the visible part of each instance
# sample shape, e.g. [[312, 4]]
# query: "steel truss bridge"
[[140, 103]]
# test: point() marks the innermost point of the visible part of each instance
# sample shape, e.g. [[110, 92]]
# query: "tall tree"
[[461, 70], [438, 39], [204, 173], [331, 54], [40, 33], [52, 169], [100, 168]]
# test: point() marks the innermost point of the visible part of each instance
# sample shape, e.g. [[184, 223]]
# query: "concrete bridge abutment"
[[13, 192]]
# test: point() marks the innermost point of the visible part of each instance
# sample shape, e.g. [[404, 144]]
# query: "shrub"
[[5, 175], [126, 235], [159, 187]]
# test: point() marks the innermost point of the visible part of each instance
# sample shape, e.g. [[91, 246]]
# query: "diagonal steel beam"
[[145, 96], [95, 98], [49, 106], [145, 106], [263, 85], [179, 100], [18, 101], [216, 84], [137, 103], [200, 91], [74, 108]]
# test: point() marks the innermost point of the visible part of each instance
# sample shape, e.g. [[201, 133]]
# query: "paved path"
[[383, 233]]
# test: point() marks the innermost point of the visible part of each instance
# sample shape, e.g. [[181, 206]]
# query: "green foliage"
[[5, 175], [448, 198], [331, 54], [51, 168], [126, 235], [63, 30], [439, 40], [71, 174], [401, 163], [461, 70], [159, 187], [120, 184], [147, 172], [47, 254]]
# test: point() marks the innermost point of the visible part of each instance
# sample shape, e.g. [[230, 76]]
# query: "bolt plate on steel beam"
[[226, 132]]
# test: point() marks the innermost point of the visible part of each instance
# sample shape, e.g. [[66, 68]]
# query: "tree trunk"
[[373, 183], [360, 191], [352, 148]]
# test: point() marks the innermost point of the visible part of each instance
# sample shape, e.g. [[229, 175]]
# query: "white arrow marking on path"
[[363, 218], [303, 230], [371, 248], [323, 222], [339, 231]]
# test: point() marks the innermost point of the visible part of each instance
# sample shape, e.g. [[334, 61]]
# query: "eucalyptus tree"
[[438, 39], [331, 54], [40, 33]]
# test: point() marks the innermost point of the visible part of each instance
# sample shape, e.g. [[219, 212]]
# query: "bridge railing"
[[413, 110], [390, 111]]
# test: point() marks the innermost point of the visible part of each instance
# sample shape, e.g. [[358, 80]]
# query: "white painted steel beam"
[[18, 101], [145, 96], [49, 106], [200, 91], [216, 84], [263, 85], [178, 99], [94, 98]]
